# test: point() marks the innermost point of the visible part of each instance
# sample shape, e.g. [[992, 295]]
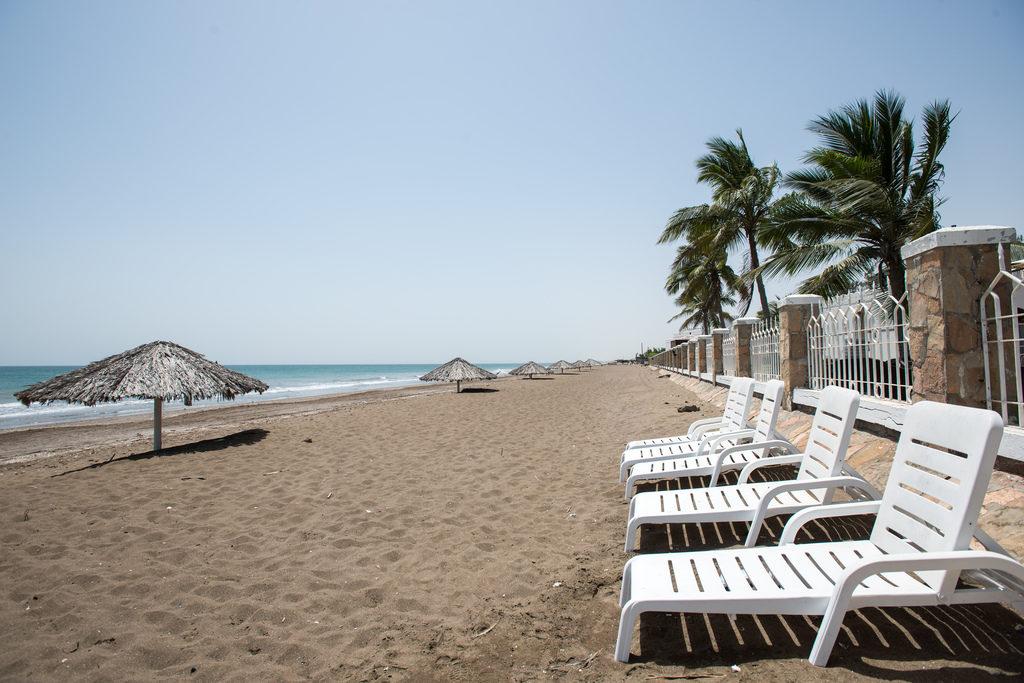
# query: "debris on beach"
[[574, 664], [485, 631], [687, 408], [307, 441]]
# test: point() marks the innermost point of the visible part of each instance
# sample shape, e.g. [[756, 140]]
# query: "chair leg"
[[631, 528], [827, 633], [627, 622]]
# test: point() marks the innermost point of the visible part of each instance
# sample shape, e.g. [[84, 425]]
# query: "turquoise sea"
[[286, 381]]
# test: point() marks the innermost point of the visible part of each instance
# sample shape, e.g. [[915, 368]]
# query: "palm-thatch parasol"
[[594, 363], [457, 370], [530, 369], [579, 365], [162, 371], [560, 365]]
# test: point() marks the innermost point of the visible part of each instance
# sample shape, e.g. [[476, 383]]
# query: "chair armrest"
[[709, 443], [798, 485], [846, 584], [705, 422], [759, 446], [795, 522], [772, 461]]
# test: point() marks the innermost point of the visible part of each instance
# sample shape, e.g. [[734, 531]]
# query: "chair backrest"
[[938, 480], [768, 415], [829, 436], [737, 402]]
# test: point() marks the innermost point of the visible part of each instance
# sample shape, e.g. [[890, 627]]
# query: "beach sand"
[[413, 534]]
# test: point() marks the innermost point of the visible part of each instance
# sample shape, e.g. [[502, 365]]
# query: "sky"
[[373, 182]]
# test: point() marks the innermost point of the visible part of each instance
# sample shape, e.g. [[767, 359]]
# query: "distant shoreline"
[[33, 442]]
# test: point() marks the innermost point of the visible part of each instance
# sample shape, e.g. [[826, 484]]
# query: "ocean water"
[[286, 381]]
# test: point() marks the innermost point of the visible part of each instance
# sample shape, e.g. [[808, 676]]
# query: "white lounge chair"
[[820, 474], [734, 418], [702, 456], [918, 549]]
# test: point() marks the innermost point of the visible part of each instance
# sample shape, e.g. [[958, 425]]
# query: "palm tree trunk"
[[755, 262], [897, 277]]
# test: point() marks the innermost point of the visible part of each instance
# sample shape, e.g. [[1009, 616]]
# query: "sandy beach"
[[408, 535]]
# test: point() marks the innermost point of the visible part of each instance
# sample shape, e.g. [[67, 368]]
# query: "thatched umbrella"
[[457, 370], [593, 363], [162, 371], [578, 365], [530, 369], [560, 366]]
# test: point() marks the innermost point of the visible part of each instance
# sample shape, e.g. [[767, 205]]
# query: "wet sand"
[[409, 535]]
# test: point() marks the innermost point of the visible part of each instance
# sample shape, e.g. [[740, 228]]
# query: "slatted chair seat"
[[791, 579], [713, 442], [822, 462], [918, 551]]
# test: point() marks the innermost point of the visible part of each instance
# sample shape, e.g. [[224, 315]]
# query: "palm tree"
[[705, 284], [741, 204], [869, 191]]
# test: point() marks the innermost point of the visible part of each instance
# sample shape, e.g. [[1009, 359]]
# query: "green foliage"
[[868, 190], [741, 203]]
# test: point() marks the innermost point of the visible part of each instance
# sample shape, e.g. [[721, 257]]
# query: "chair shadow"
[[243, 438], [988, 635], [478, 390]]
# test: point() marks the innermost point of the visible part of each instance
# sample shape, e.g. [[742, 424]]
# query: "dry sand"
[[422, 536]]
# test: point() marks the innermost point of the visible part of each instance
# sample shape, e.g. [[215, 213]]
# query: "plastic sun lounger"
[[713, 453], [918, 549], [820, 474], [734, 418]]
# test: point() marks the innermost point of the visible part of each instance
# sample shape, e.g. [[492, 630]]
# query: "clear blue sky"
[[389, 182]]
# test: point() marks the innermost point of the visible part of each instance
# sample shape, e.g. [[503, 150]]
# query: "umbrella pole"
[[158, 418], [458, 386]]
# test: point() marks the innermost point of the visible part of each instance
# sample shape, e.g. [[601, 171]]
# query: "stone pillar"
[[703, 344], [795, 312], [947, 273], [717, 365], [741, 329], [691, 348]]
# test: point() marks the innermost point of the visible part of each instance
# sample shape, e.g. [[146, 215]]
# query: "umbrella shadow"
[[478, 390], [247, 437]]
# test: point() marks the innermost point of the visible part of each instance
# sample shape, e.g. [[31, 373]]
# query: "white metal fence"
[[764, 349], [729, 355], [859, 341], [1002, 317]]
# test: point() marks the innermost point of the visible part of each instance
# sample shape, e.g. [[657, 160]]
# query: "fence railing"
[[859, 341], [764, 350], [1002, 317], [729, 356]]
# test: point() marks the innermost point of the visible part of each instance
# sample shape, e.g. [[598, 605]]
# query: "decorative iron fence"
[[1002, 343], [729, 355], [764, 350], [859, 341]]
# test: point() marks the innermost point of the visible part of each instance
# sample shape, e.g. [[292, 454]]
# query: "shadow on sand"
[[478, 390], [244, 438], [989, 636]]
